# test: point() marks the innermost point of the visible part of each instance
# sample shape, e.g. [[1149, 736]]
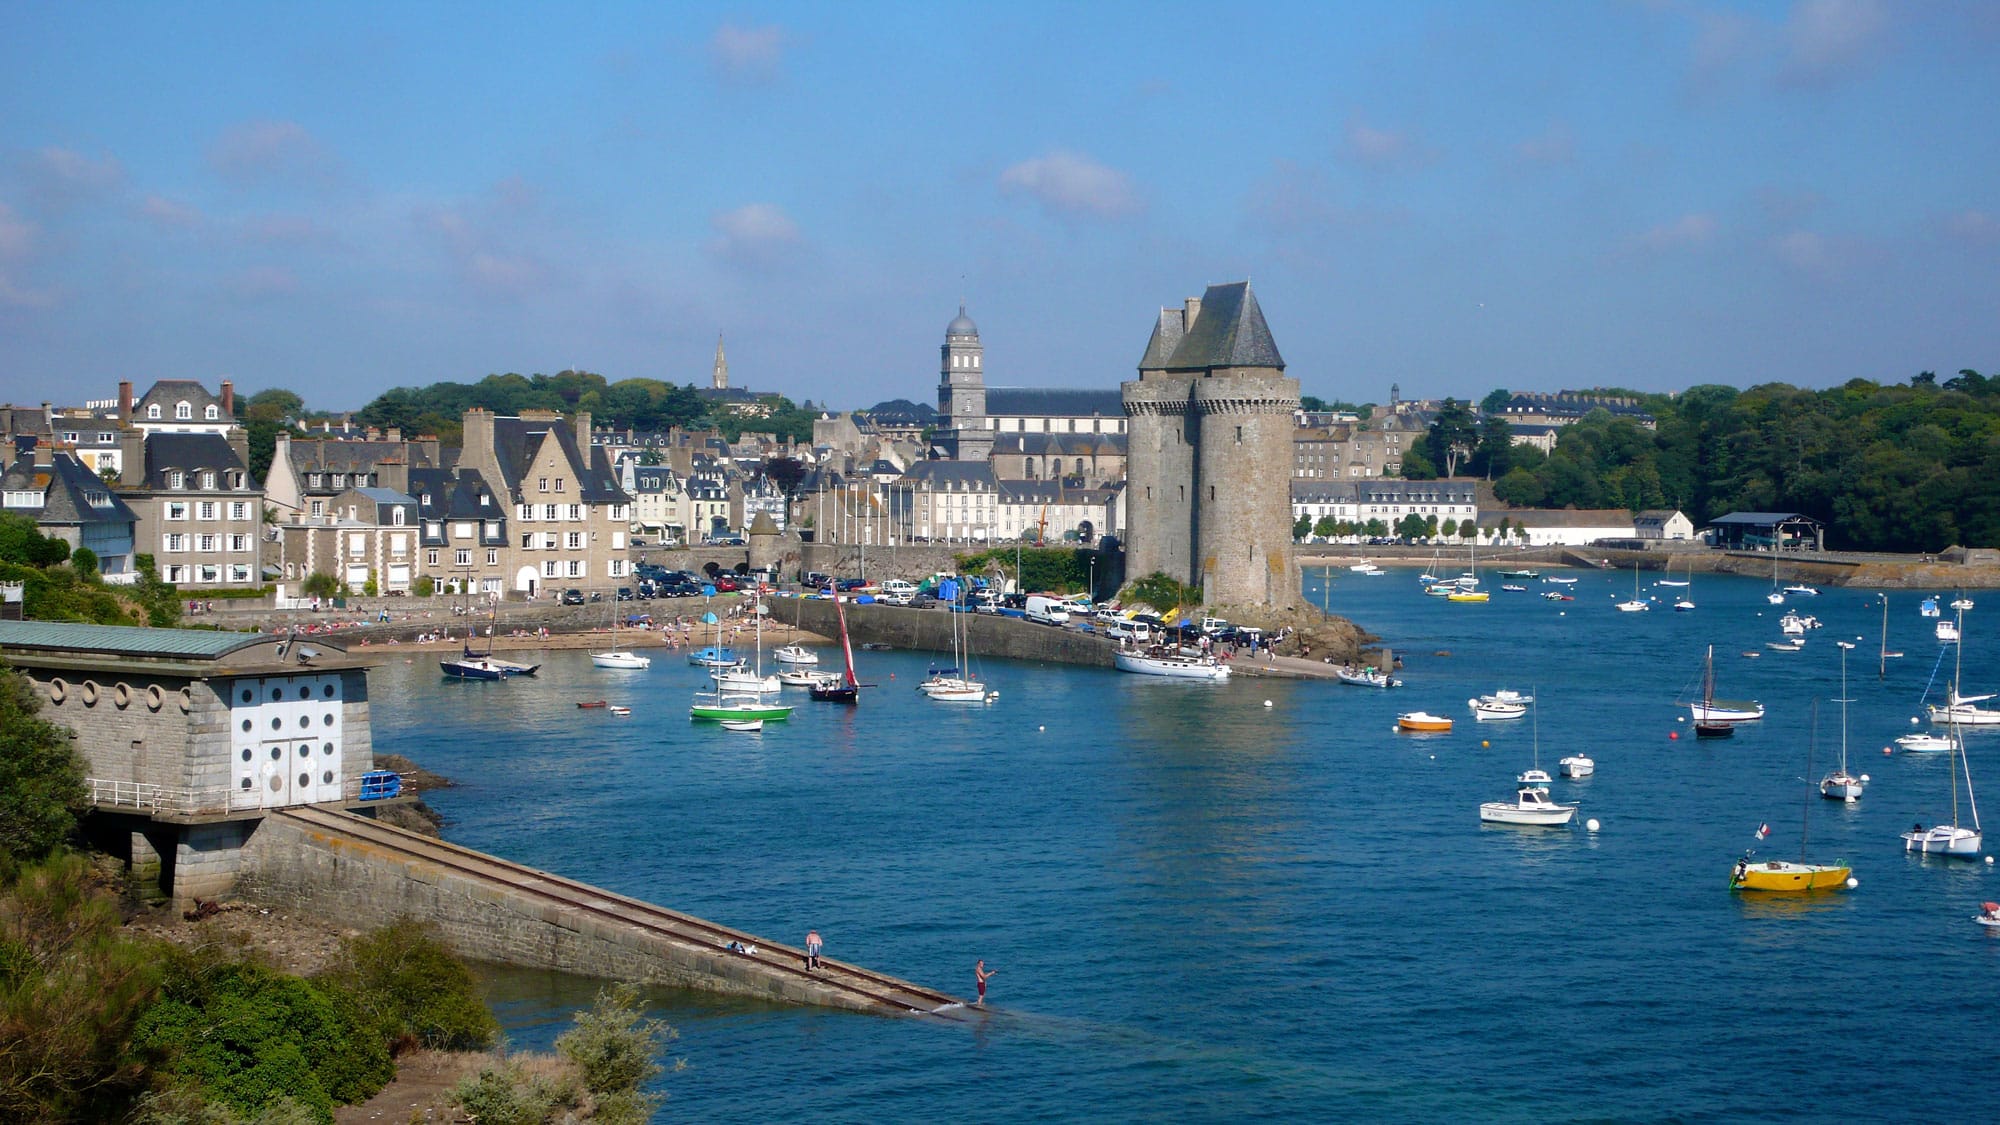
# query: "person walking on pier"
[[812, 949], [981, 975]]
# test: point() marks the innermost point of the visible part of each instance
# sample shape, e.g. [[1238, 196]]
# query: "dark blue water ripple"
[[1204, 908]]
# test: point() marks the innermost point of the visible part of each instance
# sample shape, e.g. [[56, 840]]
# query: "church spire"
[[721, 365]]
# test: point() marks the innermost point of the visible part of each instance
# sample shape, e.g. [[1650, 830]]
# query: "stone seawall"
[[929, 630]]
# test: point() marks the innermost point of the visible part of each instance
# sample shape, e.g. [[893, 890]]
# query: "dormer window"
[[425, 499], [174, 479], [183, 411], [153, 411], [212, 413], [313, 480], [208, 479], [340, 480]]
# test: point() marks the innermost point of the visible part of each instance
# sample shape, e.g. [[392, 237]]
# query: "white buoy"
[[1989, 861], [1592, 824], [1852, 882], [1913, 720], [1865, 779], [1434, 757], [1041, 728], [1267, 703]]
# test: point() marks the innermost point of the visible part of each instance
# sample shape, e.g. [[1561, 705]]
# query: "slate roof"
[[187, 453], [454, 495], [66, 487], [1229, 331], [170, 392], [1053, 402], [1051, 492], [1759, 519], [516, 441], [1613, 518], [123, 640], [328, 455], [1166, 337], [951, 474], [385, 495]]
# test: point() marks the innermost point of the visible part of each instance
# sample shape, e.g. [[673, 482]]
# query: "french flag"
[[1763, 830]]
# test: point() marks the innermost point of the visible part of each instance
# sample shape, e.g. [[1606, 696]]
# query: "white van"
[[1048, 611], [896, 591], [1126, 629]]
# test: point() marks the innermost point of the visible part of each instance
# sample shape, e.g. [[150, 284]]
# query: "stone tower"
[[962, 391], [1209, 448], [721, 365]]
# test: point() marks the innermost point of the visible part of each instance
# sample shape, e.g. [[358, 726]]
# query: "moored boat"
[[1164, 660], [794, 654], [1577, 765], [1369, 676], [1422, 721], [1712, 711], [1531, 806], [1784, 875]]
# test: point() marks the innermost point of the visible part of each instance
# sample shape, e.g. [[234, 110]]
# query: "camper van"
[[1047, 611]]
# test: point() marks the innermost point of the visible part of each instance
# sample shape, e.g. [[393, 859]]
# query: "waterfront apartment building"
[[200, 514], [571, 520], [69, 502], [1357, 502]]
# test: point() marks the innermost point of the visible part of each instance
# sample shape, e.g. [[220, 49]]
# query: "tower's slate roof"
[[1228, 332], [1166, 337]]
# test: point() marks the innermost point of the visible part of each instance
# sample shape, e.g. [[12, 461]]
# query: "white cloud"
[[1068, 184], [1384, 148], [747, 54], [1826, 40], [1691, 229], [753, 234], [272, 152], [1805, 251], [58, 177], [170, 212], [1555, 145]]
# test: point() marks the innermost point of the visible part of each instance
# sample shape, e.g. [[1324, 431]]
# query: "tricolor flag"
[[1763, 830]]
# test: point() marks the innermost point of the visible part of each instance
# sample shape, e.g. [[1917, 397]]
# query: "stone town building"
[[366, 535], [69, 502], [464, 532], [181, 406], [1083, 460], [963, 431], [1356, 502], [307, 473], [1343, 450], [200, 512], [188, 736], [571, 520], [974, 419], [1210, 426]]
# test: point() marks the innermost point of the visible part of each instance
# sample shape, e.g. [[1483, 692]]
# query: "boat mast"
[[1882, 668], [1844, 701], [846, 647], [1951, 713], [1805, 808], [1708, 685]]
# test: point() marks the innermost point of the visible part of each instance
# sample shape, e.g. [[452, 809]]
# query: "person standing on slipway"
[[812, 949]]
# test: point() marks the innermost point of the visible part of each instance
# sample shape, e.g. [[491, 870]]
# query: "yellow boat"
[[1784, 875], [1421, 720], [1467, 596]]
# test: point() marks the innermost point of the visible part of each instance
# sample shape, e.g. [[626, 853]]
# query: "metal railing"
[[146, 797]]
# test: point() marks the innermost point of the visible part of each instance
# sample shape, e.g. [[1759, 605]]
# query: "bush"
[[615, 1048], [511, 1094], [84, 561], [412, 989], [41, 776], [320, 584], [425, 586], [1162, 592], [245, 1035]]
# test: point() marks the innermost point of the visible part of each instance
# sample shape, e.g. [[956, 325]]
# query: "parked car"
[[624, 593], [726, 584], [572, 596], [897, 591], [846, 584], [814, 579]]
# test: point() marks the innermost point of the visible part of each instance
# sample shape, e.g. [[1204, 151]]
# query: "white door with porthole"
[[287, 741]]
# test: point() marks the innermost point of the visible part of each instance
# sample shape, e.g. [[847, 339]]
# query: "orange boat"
[[1422, 720]]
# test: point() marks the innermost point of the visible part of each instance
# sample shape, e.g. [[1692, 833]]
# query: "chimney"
[[583, 435], [228, 399], [1188, 315], [395, 433], [393, 473], [131, 457], [125, 400], [239, 441], [478, 449]]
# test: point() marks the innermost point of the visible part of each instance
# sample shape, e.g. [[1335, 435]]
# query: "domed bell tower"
[[962, 392]]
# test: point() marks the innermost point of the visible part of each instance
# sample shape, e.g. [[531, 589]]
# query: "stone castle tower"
[[1209, 432], [962, 391]]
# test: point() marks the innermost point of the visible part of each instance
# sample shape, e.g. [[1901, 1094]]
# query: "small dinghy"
[[751, 725]]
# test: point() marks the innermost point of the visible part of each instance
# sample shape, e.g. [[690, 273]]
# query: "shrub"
[[510, 1093], [424, 587], [615, 1048], [412, 989], [1162, 592], [41, 776], [85, 561], [320, 584]]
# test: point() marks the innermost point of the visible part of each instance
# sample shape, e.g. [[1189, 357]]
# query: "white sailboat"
[[1962, 710], [1534, 777], [1637, 604], [619, 658], [1841, 785], [1716, 717], [1951, 839], [956, 683]]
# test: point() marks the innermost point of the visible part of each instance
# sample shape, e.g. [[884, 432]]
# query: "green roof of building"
[[123, 640]]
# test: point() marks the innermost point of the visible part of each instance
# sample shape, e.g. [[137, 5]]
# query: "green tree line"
[[1887, 467], [641, 404]]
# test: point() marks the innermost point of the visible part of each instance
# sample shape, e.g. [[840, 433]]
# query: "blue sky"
[[338, 199]]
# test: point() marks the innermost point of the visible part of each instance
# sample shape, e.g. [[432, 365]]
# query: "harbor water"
[[1255, 900]]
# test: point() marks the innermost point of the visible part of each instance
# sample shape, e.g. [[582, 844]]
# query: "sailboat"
[[1775, 597], [1784, 875], [1637, 604], [954, 684], [1531, 804], [795, 653], [845, 689], [1467, 588], [732, 703], [1962, 710], [1535, 776], [752, 678], [1841, 785], [1685, 602], [1951, 839], [470, 665], [618, 657], [1717, 718]]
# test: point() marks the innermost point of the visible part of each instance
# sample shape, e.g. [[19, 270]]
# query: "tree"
[[1410, 526], [788, 473], [273, 405], [42, 793], [1302, 528], [1495, 455], [1452, 438], [1449, 528], [1377, 527], [1326, 527], [320, 584], [1496, 401], [1417, 464]]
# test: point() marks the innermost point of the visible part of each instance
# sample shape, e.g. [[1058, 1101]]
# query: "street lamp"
[[1093, 579]]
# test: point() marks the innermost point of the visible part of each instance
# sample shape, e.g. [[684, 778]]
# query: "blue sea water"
[[1201, 907]]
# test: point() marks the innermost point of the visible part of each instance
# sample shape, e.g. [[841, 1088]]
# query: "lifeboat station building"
[[190, 737], [1767, 531]]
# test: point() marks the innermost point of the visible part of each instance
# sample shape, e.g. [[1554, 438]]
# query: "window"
[[153, 411], [396, 516], [176, 510], [174, 479], [239, 542], [183, 411], [431, 557], [319, 507], [104, 437], [175, 573], [492, 529], [575, 512], [526, 512], [239, 572], [211, 413], [208, 574], [461, 557], [357, 545], [575, 568], [461, 530], [574, 540], [207, 479], [340, 480], [176, 542], [492, 557], [399, 545], [541, 484], [559, 484], [527, 541], [617, 568], [548, 511], [239, 510], [205, 510], [548, 540], [549, 569]]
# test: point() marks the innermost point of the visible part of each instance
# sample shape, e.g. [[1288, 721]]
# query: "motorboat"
[[1711, 711], [1795, 624], [1507, 695], [590, 704], [1163, 660], [804, 677], [1535, 778], [1794, 645], [1556, 596], [714, 656], [1525, 573], [745, 679], [794, 654], [1929, 742], [1784, 875], [1929, 608], [1989, 915], [1576, 765], [1561, 581], [1369, 676], [620, 658], [1422, 721], [1513, 588], [1364, 568], [1802, 589], [745, 725], [1487, 707], [1531, 806], [1947, 633], [619, 709], [1841, 785]]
